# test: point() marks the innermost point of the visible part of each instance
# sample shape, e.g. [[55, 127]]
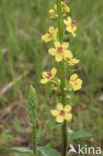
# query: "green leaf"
[[21, 149], [32, 105], [55, 124], [47, 151], [80, 134], [17, 125]]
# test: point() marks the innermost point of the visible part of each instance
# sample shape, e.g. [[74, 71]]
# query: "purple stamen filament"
[[49, 75], [65, 2], [62, 113], [60, 49], [74, 23]]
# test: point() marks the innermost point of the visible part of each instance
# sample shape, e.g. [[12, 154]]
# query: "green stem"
[[62, 77], [34, 141]]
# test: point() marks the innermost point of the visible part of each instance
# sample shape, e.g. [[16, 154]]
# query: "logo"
[[84, 150]]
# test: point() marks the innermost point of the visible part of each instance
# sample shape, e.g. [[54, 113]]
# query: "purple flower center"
[[74, 23], [49, 75], [60, 49], [65, 2], [62, 113], [49, 32]]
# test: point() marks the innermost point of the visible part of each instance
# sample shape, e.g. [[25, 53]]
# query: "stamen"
[[49, 75], [65, 2], [48, 32], [62, 113], [60, 49], [74, 23]]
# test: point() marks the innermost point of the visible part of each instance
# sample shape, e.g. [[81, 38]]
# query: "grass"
[[22, 50]]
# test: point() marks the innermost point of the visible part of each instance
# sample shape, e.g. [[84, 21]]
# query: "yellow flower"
[[69, 58], [62, 113], [75, 82], [51, 11], [65, 8], [59, 51], [47, 76], [71, 26], [50, 35]]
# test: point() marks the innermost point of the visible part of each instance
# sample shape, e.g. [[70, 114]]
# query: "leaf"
[[47, 151], [21, 149], [32, 105], [80, 134], [17, 125], [55, 124]]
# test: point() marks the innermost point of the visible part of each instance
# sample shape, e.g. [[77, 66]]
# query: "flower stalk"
[[62, 77], [34, 140]]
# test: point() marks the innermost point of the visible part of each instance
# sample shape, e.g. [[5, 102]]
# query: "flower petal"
[[53, 71], [52, 51], [54, 112], [43, 81], [69, 19], [73, 33], [59, 118], [69, 28], [75, 28], [45, 38], [65, 45], [56, 30], [66, 22], [75, 61], [79, 81], [74, 77], [68, 53], [67, 9], [59, 106], [77, 84], [67, 108], [56, 44], [44, 74], [58, 57], [51, 29], [68, 117]]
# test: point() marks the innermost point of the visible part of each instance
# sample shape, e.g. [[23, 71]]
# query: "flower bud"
[[51, 11]]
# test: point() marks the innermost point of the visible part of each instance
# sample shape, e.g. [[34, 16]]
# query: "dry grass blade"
[[9, 85]]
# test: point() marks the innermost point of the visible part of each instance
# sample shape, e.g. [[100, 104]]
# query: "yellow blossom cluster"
[[61, 53], [64, 6]]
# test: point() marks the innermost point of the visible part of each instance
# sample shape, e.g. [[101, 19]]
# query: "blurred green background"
[[23, 57]]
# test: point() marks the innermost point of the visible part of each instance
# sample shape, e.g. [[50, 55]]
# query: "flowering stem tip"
[[66, 60]]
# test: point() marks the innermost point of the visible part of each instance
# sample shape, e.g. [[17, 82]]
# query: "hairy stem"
[[34, 141], [62, 77]]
